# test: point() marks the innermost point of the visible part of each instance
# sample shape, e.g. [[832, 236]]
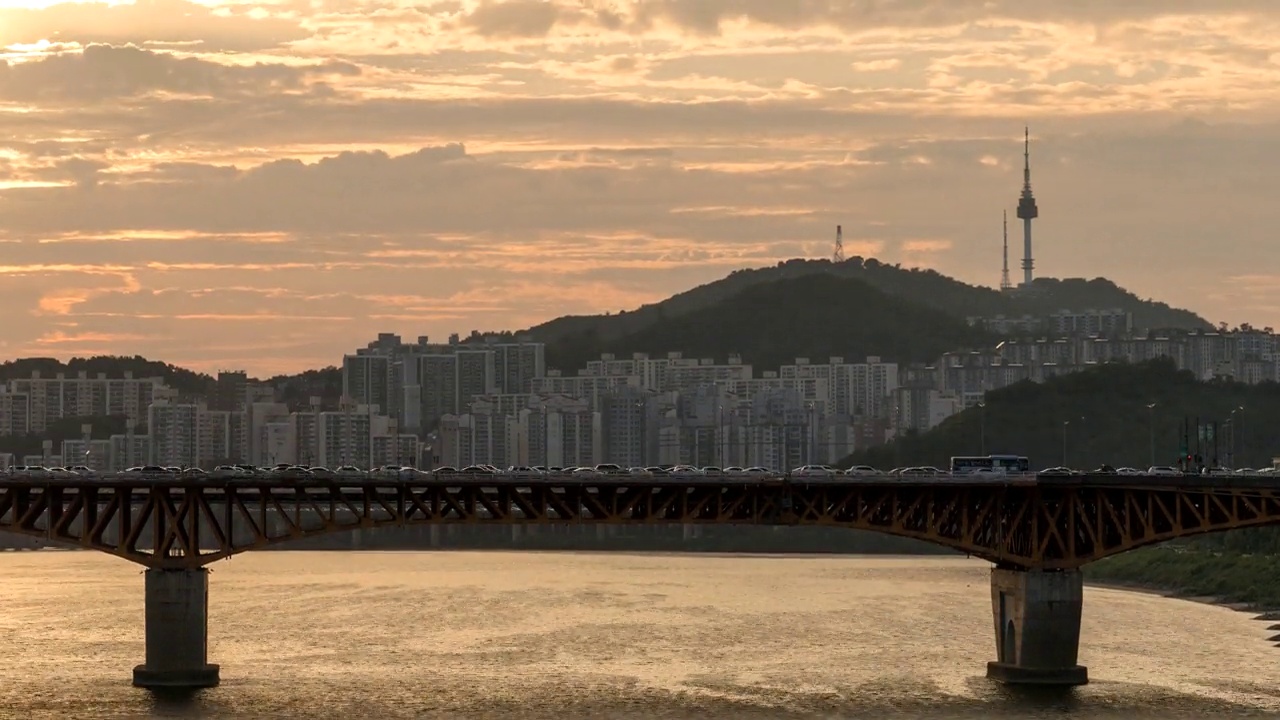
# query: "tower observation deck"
[[1027, 210]]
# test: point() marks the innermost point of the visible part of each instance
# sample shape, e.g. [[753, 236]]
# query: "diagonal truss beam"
[[1036, 524]]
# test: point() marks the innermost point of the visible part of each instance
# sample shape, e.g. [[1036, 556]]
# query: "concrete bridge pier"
[[177, 611], [1037, 623]]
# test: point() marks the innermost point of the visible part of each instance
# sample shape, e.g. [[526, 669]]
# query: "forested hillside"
[[1098, 416]]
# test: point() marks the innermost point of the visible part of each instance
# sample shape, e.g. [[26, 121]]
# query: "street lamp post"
[[1065, 423], [644, 422], [719, 436], [982, 428], [1151, 424], [1232, 421], [546, 439], [808, 433]]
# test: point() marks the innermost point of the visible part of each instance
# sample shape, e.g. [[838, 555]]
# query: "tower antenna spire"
[[1026, 159], [838, 255], [1005, 284], [1027, 210]]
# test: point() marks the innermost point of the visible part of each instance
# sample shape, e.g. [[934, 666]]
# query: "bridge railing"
[[285, 479]]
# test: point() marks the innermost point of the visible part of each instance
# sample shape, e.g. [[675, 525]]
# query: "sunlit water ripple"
[[541, 635]]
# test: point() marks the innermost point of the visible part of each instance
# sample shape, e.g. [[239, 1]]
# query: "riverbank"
[[1244, 582]]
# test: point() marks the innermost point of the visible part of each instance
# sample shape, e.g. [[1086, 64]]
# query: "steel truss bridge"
[[1025, 522], [1037, 531]]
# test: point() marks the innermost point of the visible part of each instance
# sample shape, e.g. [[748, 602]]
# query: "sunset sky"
[[266, 185]]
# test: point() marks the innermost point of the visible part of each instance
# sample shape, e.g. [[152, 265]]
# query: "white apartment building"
[[592, 388], [552, 430], [175, 430], [811, 388], [129, 450], [402, 449], [48, 400], [15, 416], [417, 384], [258, 414], [853, 389], [191, 435], [369, 379]]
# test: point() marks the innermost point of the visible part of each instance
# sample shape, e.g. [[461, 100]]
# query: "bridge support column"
[[177, 632], [1037, 623]]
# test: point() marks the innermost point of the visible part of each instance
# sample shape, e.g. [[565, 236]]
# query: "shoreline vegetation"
[[1245, 582]]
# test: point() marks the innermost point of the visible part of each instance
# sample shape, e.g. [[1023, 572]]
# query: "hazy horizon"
[[223, 184]]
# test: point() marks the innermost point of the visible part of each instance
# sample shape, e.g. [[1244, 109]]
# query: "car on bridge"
[[815, 472], [477, 470], [919, 471], [862, 470]]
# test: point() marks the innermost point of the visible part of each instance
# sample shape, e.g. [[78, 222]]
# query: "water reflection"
[[463, 635]]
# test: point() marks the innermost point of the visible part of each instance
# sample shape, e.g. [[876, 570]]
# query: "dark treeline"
[[186, 382]]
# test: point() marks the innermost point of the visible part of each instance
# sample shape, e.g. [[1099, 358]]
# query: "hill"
[[926, 287], [1108, 421], [771, 324], [295, 390]]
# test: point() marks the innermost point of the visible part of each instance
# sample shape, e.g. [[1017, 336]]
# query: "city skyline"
[[211, 183], [497, 402]]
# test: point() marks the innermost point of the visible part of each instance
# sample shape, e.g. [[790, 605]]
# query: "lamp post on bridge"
[[1231, 420], [641, 409], [1065, 423], [808, 432], [1151, 423], [982, 427]]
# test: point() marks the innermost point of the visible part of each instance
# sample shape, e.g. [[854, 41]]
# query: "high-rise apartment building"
[[51, 399], [419, 383], [130, 450], [368, 379], [229, 393], [175, 430], [853, 389], [629, 425]]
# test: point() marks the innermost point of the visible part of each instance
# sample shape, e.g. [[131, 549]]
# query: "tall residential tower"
[[1027, 210]]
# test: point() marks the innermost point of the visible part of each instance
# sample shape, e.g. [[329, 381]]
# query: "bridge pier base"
[[1037, 623], [177, 632]]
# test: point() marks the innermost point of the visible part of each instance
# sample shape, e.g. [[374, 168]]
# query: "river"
[[547, 635]]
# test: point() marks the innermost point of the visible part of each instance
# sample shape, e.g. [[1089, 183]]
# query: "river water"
[[544, 635]]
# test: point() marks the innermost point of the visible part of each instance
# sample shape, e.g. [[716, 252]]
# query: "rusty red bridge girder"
[[1023, 522]]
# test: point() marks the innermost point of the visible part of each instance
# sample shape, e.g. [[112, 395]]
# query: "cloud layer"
[[204, 182]]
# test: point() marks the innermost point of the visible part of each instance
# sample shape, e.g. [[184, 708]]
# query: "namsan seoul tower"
[[1027, 210]]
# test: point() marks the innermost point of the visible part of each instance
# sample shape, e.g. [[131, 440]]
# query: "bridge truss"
[[1029, 523]]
